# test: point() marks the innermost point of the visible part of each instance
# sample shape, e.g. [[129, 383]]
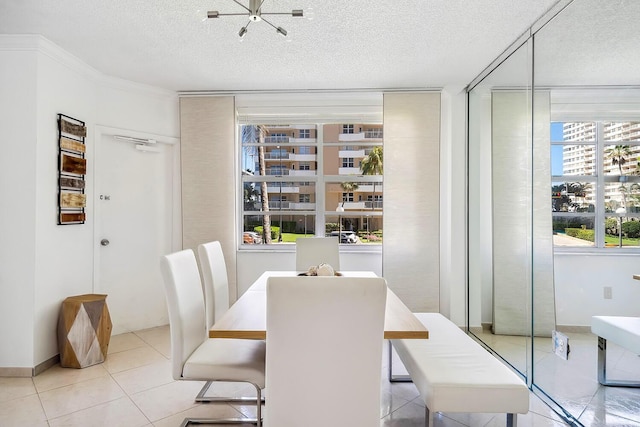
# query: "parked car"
[[345, 236], [251, 238]]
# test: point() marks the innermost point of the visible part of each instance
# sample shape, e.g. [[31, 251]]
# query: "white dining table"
[[246, 318]]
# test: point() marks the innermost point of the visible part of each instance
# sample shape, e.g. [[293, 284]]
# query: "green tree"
[[372, 165], [618, 155], [348, 187], [251, 133]]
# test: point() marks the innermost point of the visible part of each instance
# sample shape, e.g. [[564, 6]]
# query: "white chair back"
[[324, 351], [315, 250], [186, 306], [215, 280]]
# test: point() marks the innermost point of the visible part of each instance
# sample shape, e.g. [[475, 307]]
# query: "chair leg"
[[257, 421], [512, 420], [201, 398]]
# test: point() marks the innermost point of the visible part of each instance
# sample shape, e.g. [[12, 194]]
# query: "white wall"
[[18, 134], [579, 286], [42, 263], [63, 254]]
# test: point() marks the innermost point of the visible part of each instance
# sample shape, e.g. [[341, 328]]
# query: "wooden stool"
[[84, 331]]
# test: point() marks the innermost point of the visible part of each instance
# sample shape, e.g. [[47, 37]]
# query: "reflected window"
[[595, 188]]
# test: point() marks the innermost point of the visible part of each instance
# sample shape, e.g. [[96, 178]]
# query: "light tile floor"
[[573, 383], [133, 387]]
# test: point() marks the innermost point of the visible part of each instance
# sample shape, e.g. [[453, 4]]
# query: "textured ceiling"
[[347, 44], [591, 43]]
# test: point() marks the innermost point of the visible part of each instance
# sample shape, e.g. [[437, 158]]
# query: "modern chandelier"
[[255, 14]]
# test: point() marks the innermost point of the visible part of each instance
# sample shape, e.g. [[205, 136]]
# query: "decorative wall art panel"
[[73, 127], [73, 200], [71, 145], [72, 168], [73, 164], [72, 217], [76, 183]]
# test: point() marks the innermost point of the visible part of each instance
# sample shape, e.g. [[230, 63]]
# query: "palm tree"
[[618, 155], [348, 187], [372, 165], [251, 133]]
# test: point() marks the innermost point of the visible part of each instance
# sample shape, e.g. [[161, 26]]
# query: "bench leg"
[[512, 420], [396, 378], [602, 368]]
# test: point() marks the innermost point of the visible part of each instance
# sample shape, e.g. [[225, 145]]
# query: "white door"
[[133, 229]]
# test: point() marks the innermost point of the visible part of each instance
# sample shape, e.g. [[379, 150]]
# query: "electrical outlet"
[[608, 292], [560, 344]]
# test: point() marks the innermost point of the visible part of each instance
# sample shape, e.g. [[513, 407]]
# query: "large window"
[[311, 180], [595, 187]]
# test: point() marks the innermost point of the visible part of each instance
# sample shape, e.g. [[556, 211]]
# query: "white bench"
[[453, 373], [624, 331]]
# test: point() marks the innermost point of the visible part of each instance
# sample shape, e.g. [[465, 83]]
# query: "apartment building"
[[616, 143], [298, 162]]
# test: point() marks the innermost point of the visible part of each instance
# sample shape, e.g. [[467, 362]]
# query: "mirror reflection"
[[586, 60], [554, 212], [500, 209]]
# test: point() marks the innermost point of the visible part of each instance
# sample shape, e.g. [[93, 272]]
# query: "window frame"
[[319, 180], [599, 179]]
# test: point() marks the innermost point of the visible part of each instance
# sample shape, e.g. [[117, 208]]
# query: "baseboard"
[[16, 372], [30, 372], [574, 328], [40, 368]]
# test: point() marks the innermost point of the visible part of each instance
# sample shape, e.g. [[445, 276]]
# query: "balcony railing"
[[349, 171], [276, 156], [280, 172], [373, 133], [275, 205], [373, 205], [286, 188], [276, 139], [297, 172]]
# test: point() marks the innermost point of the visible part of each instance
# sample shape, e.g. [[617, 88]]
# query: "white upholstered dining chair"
[[194, 356], [215, 280], [315, 250], [324, 351], [215, 285]]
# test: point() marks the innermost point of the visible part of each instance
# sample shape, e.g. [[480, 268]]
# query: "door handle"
[[104, 242]]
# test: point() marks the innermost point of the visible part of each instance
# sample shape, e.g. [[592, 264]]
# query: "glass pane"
[[573, 230], [573, 159], [622, 232], [346, 153], [573, 131], [278, 150], [355, 228], [621, 131], [618, 194], [352, 197], [292, 226], [621, 159], [290, 196], [573, 197]]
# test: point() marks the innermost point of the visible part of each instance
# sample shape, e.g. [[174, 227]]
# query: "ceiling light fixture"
[[254, 11]]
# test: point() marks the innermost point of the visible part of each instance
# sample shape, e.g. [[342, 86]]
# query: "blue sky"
[[556, 150]]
